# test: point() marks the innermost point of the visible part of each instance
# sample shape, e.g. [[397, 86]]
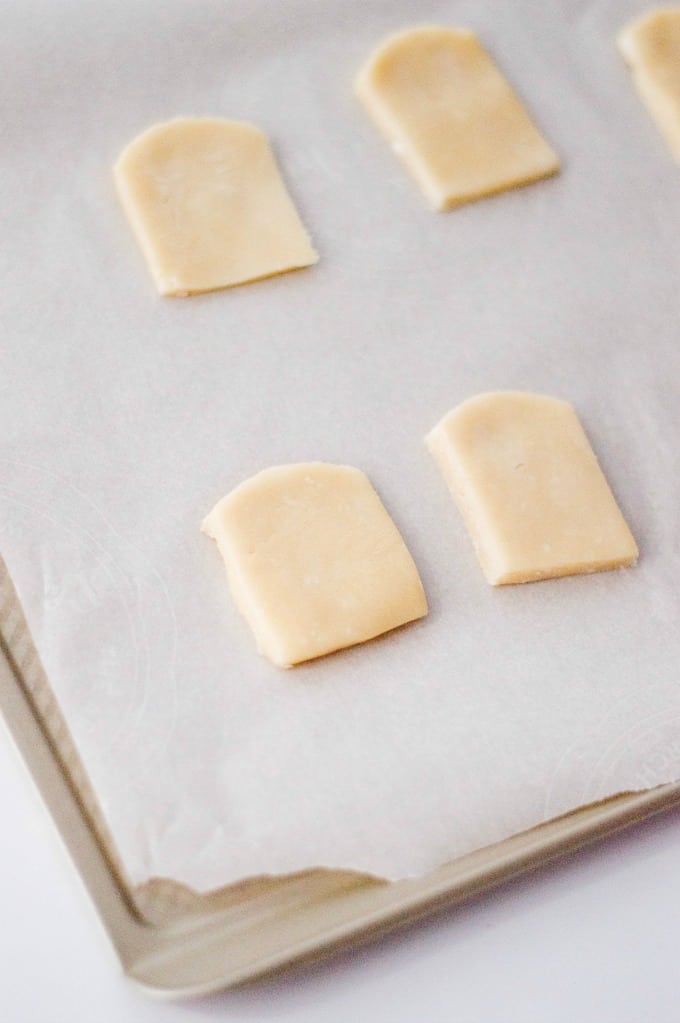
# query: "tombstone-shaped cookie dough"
[[451, 116], [208, 207], [651, 46], [529, 487], [314, 561]]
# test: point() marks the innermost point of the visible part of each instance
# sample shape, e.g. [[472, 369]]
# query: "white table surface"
[[592, 938]]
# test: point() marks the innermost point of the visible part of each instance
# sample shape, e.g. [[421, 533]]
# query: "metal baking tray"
[[175, 943]]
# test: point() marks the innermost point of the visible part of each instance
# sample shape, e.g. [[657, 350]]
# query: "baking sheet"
[[124, 417]]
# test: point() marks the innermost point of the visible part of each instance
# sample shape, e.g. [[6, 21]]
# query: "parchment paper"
[[124, 417]]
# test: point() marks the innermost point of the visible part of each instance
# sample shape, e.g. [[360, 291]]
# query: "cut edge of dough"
[[550, 169], [439, 199], [273, 472], [167, 127], [383, 118], [140, 236], [626, 36], [654, 98], [460, 410], [474, 513], [511, 578], [390, 45], [166, 286], [244, 601], [266, 643], [168, 289]]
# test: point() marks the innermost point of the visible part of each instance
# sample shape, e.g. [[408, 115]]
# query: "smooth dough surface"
[[651, 46], [529, 487], [452, 117], [208, 207], [314, 561]]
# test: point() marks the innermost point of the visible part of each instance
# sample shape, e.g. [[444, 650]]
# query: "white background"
[[591, 938]]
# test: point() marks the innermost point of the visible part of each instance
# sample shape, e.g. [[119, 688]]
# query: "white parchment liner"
[[124, 417]]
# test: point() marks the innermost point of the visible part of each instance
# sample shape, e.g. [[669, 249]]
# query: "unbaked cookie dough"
[[314, 561], [208, 206], [451, 116], [529, 488], [651, 46]]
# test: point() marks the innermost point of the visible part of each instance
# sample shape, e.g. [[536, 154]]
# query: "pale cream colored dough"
[[314, 561], [651, 46], [529, 488], [451, 116], [208, 207]]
